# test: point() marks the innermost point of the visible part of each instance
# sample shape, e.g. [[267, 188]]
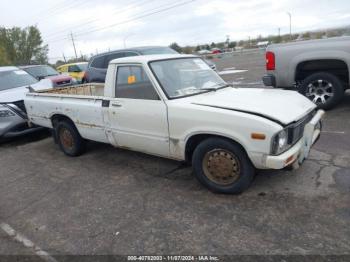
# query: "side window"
[[132, 82], [98, 62], [110, 57], [73, 69]]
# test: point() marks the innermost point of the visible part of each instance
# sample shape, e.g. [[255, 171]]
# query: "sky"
[[102, 25]]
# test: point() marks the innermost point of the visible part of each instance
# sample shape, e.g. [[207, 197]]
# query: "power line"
[[59, 38], [62, 9], [128, 21], [48, 10], [133, 4], [136, 18]]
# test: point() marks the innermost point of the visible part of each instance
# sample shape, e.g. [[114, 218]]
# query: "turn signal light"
[[258, 136]]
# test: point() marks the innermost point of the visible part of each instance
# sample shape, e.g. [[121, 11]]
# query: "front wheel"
[[324, 89], [222, 166]]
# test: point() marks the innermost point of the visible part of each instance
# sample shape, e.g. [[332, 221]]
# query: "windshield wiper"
[[216, 87]]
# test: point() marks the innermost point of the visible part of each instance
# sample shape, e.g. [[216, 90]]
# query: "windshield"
[[15, 78], [82, 67], [187, 76], [41, 71], [158, 51]]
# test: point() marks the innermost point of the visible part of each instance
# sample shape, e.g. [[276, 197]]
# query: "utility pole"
[[279, 32], [75, 51], [64, 58], [126, 37], [290, 25]]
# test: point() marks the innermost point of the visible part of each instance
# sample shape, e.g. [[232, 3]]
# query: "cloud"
[[199, 22]]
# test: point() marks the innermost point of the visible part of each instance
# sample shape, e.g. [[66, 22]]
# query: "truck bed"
[[90, 89]]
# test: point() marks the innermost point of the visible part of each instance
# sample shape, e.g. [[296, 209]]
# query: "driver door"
[[138, 117]]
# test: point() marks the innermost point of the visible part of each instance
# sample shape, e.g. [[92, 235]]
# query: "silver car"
[[14, 85]]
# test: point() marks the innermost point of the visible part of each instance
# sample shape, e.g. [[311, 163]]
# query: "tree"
[[220, 45], [188, 50], [176, 47], [232, 45], [22, 46], [3, 57], [212, 45], [198, 48]]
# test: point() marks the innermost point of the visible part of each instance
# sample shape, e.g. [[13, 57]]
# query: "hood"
[[280, 106], [59, 78], [18, 93]]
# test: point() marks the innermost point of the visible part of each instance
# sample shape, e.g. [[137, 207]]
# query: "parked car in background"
[[318, 69], [75, 70], [216, 51], [47, 72], [204, 52], [97, 67], [177, 107], [14, 85]]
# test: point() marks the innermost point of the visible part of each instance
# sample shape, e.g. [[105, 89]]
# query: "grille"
[[63, 83], [296, 131]]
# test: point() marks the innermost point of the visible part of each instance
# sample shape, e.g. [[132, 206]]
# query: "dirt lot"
[[111, 201]]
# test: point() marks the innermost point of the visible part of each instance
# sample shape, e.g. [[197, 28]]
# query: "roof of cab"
[[148, 58], [8, 68]]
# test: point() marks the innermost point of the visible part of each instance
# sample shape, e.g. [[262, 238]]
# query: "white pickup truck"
[[175, 106]]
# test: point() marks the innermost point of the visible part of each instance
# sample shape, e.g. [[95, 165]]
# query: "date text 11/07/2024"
[[173, 258]]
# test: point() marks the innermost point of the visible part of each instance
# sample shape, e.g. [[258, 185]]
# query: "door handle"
[[116, 105]]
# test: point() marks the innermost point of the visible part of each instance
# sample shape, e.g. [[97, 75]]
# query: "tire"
[[235, 172], [69, 139], [324, 89]]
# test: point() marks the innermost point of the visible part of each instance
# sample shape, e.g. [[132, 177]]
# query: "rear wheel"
[[222, 166], [69, 139], [324, 89]]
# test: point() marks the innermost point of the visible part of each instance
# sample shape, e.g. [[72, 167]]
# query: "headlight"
[[6, 113], [280, 142]]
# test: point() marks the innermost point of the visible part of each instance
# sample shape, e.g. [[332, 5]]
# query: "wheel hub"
[[221, 167], [66, 138], [320, 91]]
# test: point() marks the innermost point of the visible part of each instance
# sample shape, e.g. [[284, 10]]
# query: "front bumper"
[[300, 151], [15, 125], [269, 80]]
